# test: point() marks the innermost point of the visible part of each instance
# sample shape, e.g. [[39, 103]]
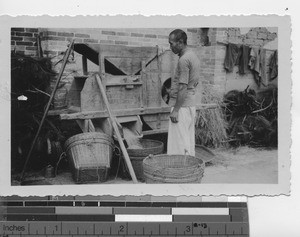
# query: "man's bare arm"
[[179, 101]]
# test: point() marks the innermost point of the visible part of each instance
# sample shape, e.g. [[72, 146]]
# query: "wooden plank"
[[126, 58], [84, 65], [122, 51], [155, 131], [103, 125], [91, 127], [55, 112], [91, 99], [124, 84], [116, 130], [102, 67], [144, 86], [83, 125], [126, 112], [158, 122], [159, 97]]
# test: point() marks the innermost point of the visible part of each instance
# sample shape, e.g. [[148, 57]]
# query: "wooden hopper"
[[133, 78]]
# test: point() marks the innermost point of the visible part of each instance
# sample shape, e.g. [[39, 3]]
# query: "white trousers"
[[181, 135]]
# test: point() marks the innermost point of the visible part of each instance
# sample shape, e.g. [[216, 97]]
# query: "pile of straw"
[[210, 123], [252, 117]]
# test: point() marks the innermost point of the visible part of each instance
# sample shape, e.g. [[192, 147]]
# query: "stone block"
[[262, 36]]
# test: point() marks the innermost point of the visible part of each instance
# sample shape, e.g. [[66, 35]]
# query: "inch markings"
[[125, 228]]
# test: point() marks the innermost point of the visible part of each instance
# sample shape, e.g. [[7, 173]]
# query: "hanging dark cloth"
[[254, 64], [257, 64], [263, 68], [232, 53], [244, 59], [274, 65]]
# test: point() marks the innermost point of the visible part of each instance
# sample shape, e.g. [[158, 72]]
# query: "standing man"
[[181, 134]]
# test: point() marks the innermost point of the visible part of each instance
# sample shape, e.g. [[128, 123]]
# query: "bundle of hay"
[[210, 123]]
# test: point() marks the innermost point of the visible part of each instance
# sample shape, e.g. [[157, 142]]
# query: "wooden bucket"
[[90, 155], [137, 155], [173, 169]]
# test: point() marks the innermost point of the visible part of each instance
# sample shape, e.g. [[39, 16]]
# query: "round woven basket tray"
[[204, 154], [147, 147], [173, 169]]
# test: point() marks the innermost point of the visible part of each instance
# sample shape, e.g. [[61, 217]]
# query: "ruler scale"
[[102, 216]]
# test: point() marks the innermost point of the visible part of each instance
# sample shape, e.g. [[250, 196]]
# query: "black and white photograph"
[[114, 107]]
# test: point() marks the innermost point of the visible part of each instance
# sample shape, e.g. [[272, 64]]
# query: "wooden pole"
[[66, 56], [115, 127]]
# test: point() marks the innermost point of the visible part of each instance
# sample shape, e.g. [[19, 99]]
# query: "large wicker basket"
[[137, 155], [90, 156], [173, 169]]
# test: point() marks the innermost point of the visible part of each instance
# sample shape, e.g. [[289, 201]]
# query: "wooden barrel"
[[173, 169], [90, 155]]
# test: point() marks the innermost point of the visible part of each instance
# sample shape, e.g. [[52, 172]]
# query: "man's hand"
[[174, 116]]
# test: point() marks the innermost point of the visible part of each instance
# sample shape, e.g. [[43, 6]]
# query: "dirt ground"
[[242, 165]]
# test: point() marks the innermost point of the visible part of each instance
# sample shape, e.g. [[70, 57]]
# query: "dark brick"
[[121, 42], [24, 34], [50, 52], [163, 37], [17, 38], [107, 42], [65, 34], [31, 48], [82, 35], [55, 38], [90, 41], [137, 35], [21, 52], [12, 33], [150, 36], [76, 40], [53, 33], [29, 39], [123, 34], [18, 29], [106, 32], [12, 43], [33, 30], [31, 53], [24, 43], [192, 30]]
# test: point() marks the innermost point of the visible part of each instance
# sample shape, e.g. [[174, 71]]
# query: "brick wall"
[[219, 37], [258, 36], [54, 42], [23, 40], [57, 38]]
